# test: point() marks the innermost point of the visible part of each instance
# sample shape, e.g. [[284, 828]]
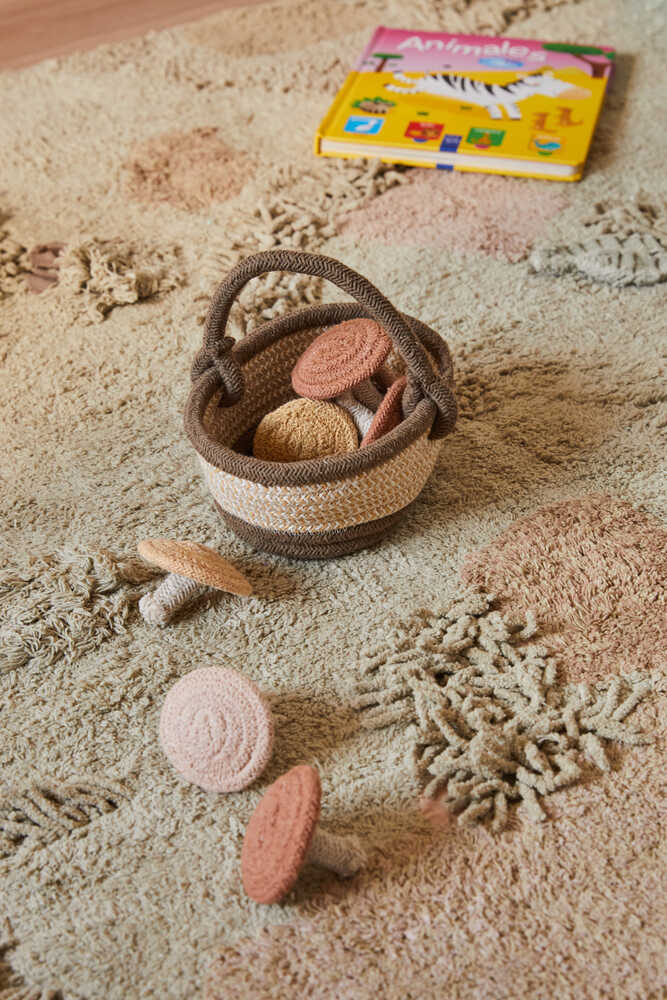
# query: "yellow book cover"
[[470, 102]]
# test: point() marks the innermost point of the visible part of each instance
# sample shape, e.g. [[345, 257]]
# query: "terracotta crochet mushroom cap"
[[303, 429], [389, 413], [279, 834], [216, 729], [340, 358], [196, 562]]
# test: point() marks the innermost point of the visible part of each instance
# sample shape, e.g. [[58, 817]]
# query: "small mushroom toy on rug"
[[282, 836], [339, 402], [216, 728], [192, 568]]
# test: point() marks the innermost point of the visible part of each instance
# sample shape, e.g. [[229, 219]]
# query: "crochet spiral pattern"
[[216, 729], [340, 358]]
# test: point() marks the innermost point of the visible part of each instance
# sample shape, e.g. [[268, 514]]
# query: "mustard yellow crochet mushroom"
[[303, 429]]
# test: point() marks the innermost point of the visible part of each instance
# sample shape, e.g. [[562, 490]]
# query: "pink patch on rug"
[[190, 170], [594, 571], [468, 213], [433, 810], [484, 913]]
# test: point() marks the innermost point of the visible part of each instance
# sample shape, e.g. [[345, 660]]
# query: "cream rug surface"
[[157, 163]]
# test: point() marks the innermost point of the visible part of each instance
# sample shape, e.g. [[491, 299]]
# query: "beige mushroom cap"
[[196, 562]]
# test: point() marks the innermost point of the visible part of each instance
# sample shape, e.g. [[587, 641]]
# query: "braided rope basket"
[[323, 507]]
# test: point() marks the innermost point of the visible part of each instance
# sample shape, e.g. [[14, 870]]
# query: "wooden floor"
[[31, 30]]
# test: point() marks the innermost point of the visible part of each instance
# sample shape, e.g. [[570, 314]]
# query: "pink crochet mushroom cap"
[[279, 834], [340, 358], [216, 729], [389, 413]]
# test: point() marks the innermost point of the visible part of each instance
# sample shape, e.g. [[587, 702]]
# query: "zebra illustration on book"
[[493, 96]]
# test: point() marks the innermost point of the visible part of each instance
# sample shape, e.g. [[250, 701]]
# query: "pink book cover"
[[392, 50]]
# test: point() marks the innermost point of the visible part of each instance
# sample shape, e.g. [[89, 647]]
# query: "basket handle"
[[216, 348]]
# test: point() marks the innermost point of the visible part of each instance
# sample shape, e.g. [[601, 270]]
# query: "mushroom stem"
[[368, 394], [174, 591], [343, 855], [362, 416]]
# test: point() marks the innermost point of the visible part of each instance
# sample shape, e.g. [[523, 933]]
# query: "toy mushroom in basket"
[[282, 836], [192, 568], [341, 407]]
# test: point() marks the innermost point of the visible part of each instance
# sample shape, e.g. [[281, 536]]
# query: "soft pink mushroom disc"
[[216, 729]]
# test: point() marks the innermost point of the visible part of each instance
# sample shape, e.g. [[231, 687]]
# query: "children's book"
[[470, 102]]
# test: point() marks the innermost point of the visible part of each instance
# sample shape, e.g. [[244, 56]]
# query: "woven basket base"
[[313, 545]]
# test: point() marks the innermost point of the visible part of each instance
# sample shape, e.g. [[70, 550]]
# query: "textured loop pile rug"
[[152, 166]]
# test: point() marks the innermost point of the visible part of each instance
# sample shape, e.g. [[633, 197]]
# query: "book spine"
[[331, 113]]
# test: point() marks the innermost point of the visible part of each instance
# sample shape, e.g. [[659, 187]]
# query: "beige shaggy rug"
[[158, 162]]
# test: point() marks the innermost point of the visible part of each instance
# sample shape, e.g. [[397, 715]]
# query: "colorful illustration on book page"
[[424, 131], [374, 105]]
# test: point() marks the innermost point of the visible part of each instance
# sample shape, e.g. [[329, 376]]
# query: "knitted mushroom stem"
[[343, 855], [362, 416], [368, 395], [174, 591]]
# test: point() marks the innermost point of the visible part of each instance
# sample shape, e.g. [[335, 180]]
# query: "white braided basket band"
[[383, 490]]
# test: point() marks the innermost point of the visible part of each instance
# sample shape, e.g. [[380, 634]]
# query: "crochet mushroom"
[[216, 729], [340, 358], [191, 568], [282, 836], [303, 429], [389, 413]]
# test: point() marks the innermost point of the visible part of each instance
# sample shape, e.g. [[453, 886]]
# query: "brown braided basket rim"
[[315, 470], [212, 370]]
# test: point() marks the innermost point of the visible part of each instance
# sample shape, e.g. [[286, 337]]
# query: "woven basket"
[[324, 507]]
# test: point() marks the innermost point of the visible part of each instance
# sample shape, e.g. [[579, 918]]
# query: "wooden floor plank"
[[32, 30]]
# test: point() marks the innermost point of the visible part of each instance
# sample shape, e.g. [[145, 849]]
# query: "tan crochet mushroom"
[[192, 568], [303, 429], [282, 836], [216, 729]]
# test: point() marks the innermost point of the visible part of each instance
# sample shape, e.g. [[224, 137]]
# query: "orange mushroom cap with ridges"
[[388, 414], [279, 834], [216, 728], [196, 562], [340, 358]]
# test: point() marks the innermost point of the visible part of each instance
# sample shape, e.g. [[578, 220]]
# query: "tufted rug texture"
[[157, 163]]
